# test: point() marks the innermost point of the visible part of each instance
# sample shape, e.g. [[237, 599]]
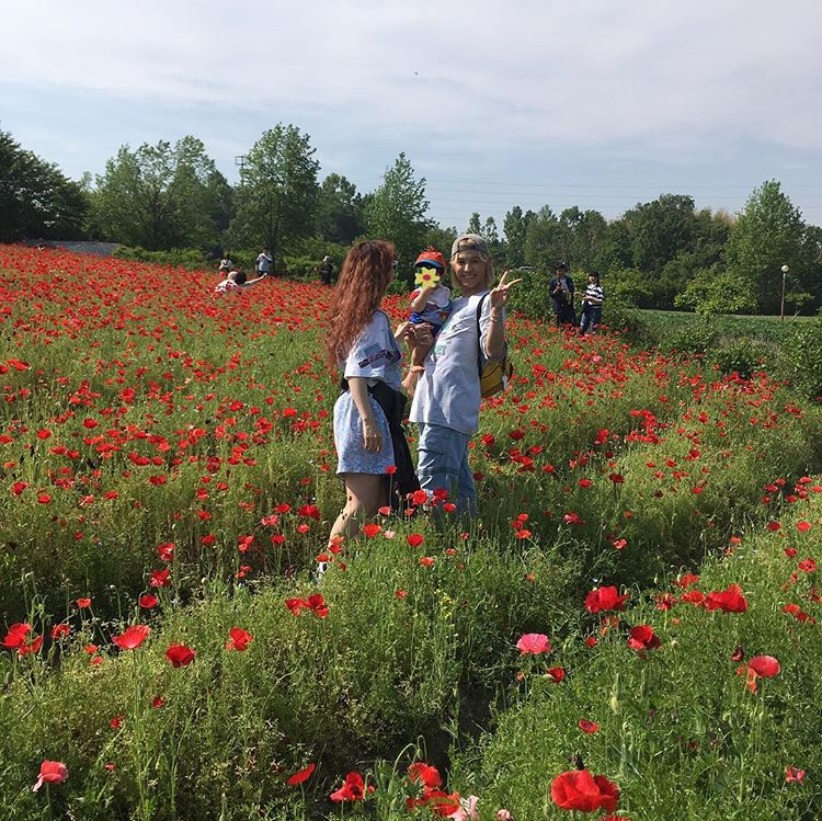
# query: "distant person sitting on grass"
[[237, 281]]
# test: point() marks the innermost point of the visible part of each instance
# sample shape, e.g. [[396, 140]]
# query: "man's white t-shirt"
[[448, 393]]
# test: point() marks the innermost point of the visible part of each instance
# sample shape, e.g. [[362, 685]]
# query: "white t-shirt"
[[264, 263], [448, 393], [375, 354], [226, 286]]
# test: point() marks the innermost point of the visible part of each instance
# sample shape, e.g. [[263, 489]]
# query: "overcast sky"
[[496, 103]]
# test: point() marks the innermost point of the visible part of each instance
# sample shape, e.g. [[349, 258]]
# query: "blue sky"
[[496, 103]]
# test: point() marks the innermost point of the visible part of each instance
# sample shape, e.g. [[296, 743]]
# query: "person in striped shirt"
[[592, 301]]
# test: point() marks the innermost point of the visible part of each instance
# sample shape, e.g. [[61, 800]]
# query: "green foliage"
[[276, 202], [161, 197], [769, 234], [714, 291], [188, 258], [677, 728], [37, 200], [397, 210], [801, 357], [340, 211]]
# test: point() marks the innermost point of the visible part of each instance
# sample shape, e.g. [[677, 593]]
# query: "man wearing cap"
[[447, 399], [561, 289]]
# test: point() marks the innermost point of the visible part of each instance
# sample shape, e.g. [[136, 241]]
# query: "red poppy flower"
[[419, 497], [51, 772], [295, 605], [803, 527], [765, 666], [301, 776], [353, 789], [414, 539], [581, 791], [179, 655], [729, 600], [60, 631], [148, 600], [686, 580], [794, 774], [316, 603], [534, 644], [166, 551], [16, 636], [605, 598], [239, 639], [642, 637], [425, 774], [371, 529], [132, 637], [694, 597], [589, 727], [160, 578], [556, 674]]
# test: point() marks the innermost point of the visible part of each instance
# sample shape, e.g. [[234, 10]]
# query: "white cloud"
[[496, 78]]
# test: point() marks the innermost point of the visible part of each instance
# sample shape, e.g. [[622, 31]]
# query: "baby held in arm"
[[430, 307]]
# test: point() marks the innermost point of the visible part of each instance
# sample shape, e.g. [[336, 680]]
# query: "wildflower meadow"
[[628, 631]]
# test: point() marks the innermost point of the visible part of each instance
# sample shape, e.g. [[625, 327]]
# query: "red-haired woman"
[[371, 447]]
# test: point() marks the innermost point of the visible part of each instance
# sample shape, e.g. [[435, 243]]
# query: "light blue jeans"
[[443, 463]]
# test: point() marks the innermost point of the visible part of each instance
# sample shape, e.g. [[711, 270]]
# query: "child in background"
[[430, 305]]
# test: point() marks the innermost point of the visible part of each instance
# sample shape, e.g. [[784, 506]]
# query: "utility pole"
[[785, 270], [240, 160]]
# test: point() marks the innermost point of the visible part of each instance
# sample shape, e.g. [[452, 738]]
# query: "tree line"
[[661, 254]]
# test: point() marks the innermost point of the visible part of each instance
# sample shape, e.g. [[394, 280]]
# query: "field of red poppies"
[[628, 631]]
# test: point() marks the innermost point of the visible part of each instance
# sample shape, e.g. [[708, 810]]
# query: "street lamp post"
[[785, 270]]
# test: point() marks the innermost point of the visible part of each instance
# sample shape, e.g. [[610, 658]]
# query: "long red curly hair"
[[365, 274]]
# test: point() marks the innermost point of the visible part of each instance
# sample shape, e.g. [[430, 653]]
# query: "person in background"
[[448, 396], [371, 447], [226, 265], [561, 289], [235, 282], [326, 271], [592, 301], [430, 304], [265, 263]]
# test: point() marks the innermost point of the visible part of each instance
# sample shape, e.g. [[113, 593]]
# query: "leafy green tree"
[[474, 226], [582, 234], [715, 291], [278, 194], [660, 230], [768, 234], [515, 229], [397, 211], [614, 253], [543, 241], [37, 200], [340, 217], [161, 196]]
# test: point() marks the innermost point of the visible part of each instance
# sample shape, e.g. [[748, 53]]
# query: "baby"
[[430, 305]]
